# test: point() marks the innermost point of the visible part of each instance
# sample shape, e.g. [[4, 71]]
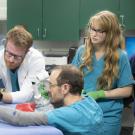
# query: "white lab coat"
[[33, 64]]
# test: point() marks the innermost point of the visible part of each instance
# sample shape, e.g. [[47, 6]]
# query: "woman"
[[106, 69]]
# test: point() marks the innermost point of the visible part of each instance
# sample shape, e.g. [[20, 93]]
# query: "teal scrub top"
[[14, 80], [112, 108], [84, 117]]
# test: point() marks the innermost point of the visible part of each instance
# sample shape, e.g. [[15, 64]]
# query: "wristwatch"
[[1, 95]]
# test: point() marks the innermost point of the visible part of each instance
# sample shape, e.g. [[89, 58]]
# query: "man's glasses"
[[8, 54], [49, 85]]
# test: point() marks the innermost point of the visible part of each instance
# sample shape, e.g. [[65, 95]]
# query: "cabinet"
[[127, 14], [27, 13], [55, 20], [61, 19], [123, 8], [90, 7]]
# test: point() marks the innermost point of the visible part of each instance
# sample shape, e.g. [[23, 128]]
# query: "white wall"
[[3, 18], [3, 9]]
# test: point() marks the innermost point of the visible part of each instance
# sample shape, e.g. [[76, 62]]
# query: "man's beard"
[[58, 104]]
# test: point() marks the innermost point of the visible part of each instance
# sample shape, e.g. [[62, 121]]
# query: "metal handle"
[[122, 20], [38, 32], [44, 33]]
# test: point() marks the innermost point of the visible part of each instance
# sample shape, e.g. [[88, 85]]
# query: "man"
[[20, 63], [132, 63], [128, 122], [75, 115]]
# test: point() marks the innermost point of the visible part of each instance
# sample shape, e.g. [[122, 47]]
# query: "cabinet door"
[[61, 20], [90, 7], [127, 14], [27, 13]]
